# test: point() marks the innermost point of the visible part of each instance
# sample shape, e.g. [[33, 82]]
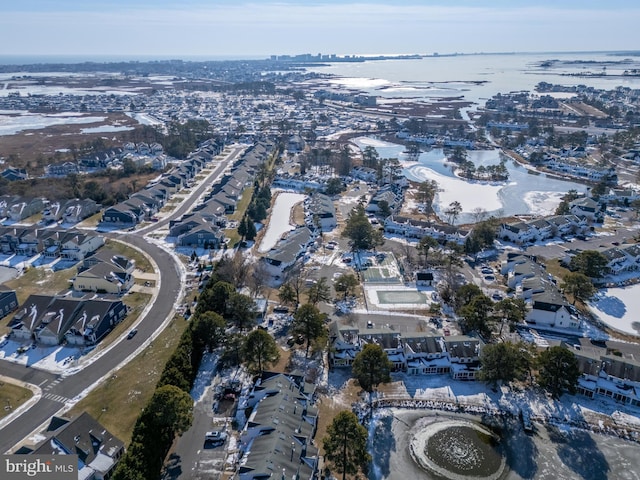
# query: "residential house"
[[28, 317], [52, 213], [523, 270], [550, 310], [55, 320], [110, 257], [93, 320], [103, 278], [8, 301], [22, 208], [586, 208], [52, 320], [122, 214], [321, 212], [77, 210], [609, 369], [411, 228], [98, 450], [14, 174], [425, 354], [288, 251], [61, 169], [364, 173], [343, 345], [76, 245], [464, 355], [391, 343], [516, 232], [383, 195], [202, 236]]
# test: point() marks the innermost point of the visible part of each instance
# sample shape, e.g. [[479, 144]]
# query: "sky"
[[247, 29]]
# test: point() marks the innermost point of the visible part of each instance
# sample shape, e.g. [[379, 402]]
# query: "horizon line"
[[247, 56]]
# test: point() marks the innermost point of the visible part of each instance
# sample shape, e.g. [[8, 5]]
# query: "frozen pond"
[[523, 193], [19, 121], [550, 453], [106, 129], [618, 308], [279, 220]]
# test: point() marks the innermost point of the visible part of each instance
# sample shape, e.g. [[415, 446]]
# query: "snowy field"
[[618, 308], [19, 121], [279, 220]]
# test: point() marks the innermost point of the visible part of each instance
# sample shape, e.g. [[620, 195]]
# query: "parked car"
[[132, 334], [215, 437]]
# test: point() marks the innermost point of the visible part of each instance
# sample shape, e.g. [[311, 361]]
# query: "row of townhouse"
[[53, 243], [143, 148], [625, 258], [105, 272], [431, 140], [146, 203], [320, 212], [415, 353], [576, 169], [53, 320], [547, 307], [609, 369], [415, 229], [298, 183], [203, 228], [277, 439], [289, 251], [542, 229]]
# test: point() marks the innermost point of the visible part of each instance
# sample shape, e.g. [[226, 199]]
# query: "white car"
[[216, 437]]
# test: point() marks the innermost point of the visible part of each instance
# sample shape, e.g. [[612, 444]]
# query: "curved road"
[[58, 389]]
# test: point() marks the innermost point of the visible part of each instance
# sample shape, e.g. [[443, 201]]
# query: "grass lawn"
[[117, 403], [13, 396], [555, 268], [41, 280], [242, 205]]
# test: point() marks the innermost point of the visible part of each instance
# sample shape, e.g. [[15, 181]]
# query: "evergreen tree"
[[260, 350], [308, 323], [345, 444], [558, 371], [371, 367]]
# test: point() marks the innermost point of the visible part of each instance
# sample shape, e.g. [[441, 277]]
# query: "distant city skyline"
[[244, 29]]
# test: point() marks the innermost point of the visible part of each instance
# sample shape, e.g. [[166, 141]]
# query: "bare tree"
[[258, 278], [479, 214], [297, 277]]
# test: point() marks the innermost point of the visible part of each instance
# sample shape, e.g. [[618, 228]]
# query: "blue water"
[[479, 77]]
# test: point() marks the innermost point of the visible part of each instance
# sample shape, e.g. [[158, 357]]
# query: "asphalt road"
[[56, 389]]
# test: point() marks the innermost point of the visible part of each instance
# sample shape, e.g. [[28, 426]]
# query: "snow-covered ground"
[[11, 124], [279, 220], [618, 308]]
